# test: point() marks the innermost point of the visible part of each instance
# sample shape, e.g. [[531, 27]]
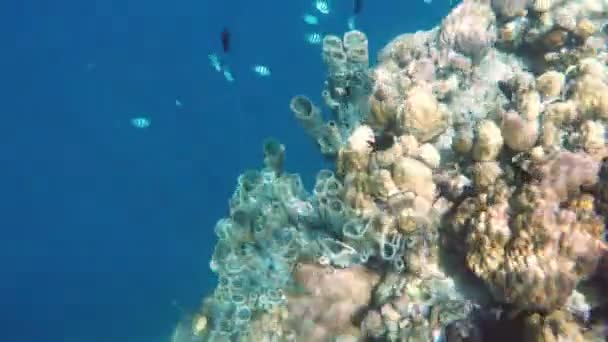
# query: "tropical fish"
[[228, 75], [506, 89], [261, 70], [310, 19], [322, 6], [140, 122], [313, 38], [351, 23], [215, 62], [225, 37], [357, 6]]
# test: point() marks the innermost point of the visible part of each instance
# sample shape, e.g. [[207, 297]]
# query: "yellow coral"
[[412, 175], [382, 184], [351, 161], [592, 136], [421, 115], [429, 155], [409, 145], [199, 325], [386, 158], [591, 96], [518, 133], [382, 111], [585, 28], [529, 105], [489, 141], [542, 5], [462, 142], [486, 173], [556, 326], [551, 83]]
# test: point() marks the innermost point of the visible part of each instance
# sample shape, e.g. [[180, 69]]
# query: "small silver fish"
[[313, 38], [261, 70], [322, 6], [140, 122], [310, 19], [228, 75], [351, 23], [214, 60]]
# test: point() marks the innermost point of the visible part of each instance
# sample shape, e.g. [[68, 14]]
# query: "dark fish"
[[357, 5], [382, 142], [506, 89], [225, 40]]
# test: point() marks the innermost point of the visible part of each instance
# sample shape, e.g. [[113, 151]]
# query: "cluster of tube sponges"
[[273, 224], [258, 246], [346, 88]]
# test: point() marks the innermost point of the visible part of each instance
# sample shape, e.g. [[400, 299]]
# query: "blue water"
[[107, 229]]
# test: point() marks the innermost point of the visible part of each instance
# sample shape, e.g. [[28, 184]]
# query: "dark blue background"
[[106, 229]]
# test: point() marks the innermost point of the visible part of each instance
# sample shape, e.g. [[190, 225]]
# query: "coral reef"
[[469, 193]]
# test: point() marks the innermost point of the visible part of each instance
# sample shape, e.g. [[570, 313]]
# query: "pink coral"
[[519, 134], [567, 172], [469, 29], [333, 297]]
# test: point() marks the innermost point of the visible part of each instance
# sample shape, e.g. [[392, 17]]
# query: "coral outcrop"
[[469, 190]]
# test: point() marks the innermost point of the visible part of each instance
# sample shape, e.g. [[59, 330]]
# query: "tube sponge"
[[274, 155], [329, 139], [327, 185], [333, 187], [354, 229], [327, 135], [390, 247], [356, 46], [249, 181], [336, 213], [324, 175], [339, 253], [307, 114], [333, 54], [242, 315]]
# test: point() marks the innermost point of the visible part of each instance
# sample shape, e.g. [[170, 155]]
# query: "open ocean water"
[[107, 229]]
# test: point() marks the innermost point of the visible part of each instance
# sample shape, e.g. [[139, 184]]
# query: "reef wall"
[[469, 193]]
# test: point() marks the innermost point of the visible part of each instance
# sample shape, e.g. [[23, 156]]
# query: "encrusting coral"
[[469, 190]]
